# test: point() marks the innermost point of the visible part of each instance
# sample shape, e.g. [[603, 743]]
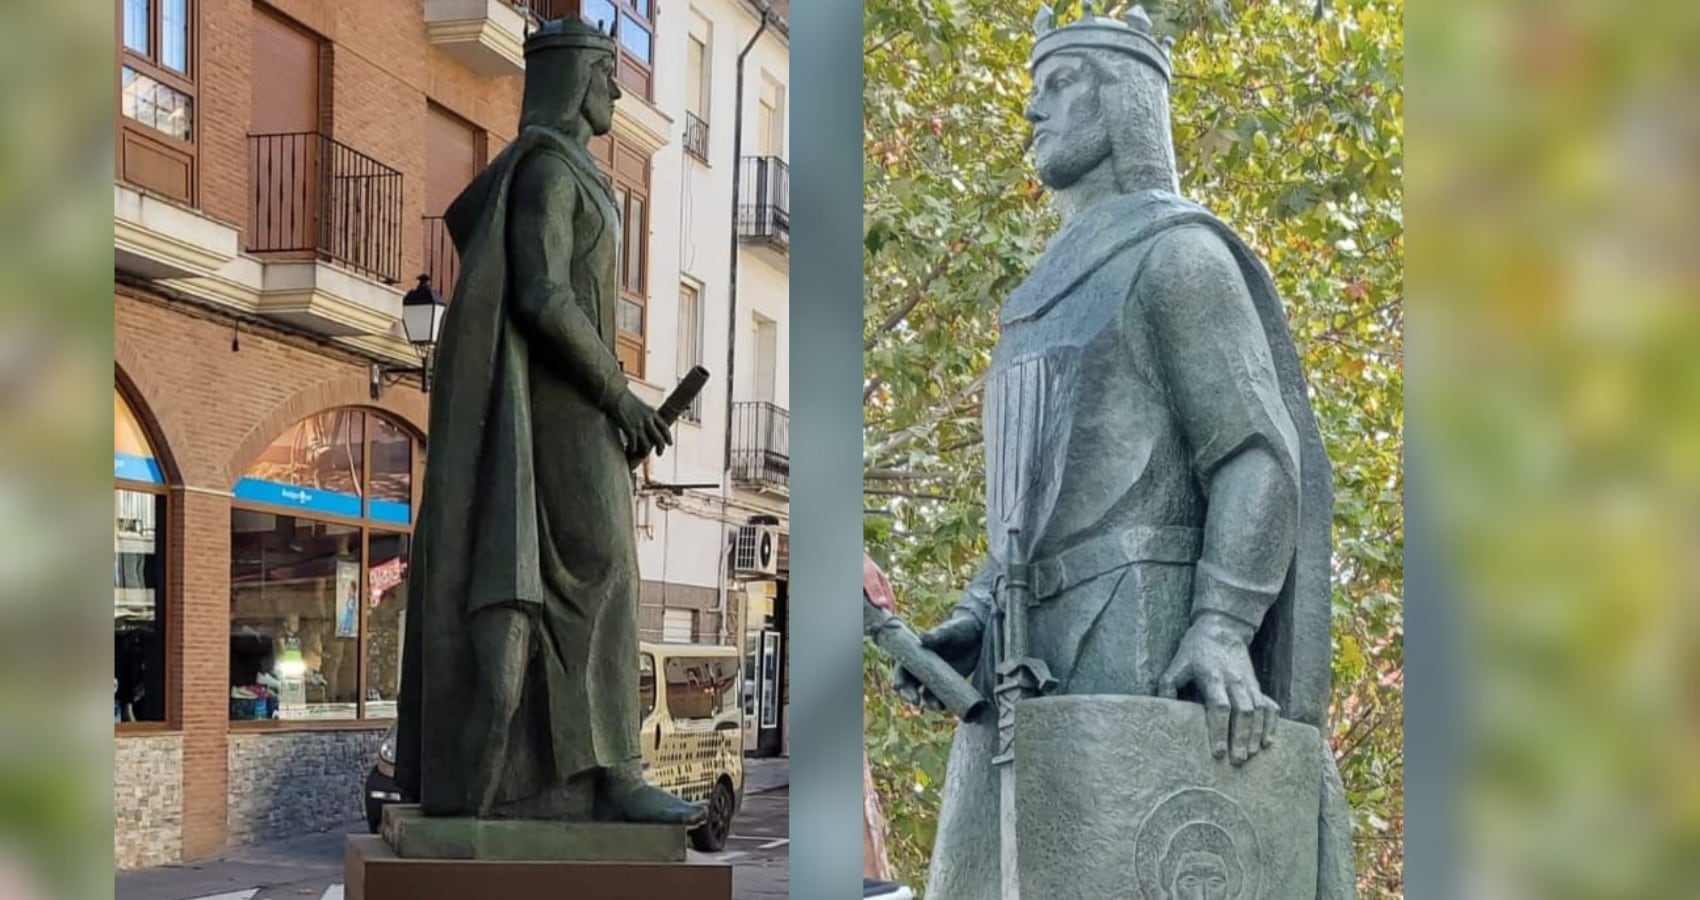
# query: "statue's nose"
[[1034, 115]]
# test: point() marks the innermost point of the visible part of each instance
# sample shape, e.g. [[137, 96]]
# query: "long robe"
[[1147, 350], [528, 496]]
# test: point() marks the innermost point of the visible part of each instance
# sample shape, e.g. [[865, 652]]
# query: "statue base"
[[413, 835], [373, 871], [1118, 796]]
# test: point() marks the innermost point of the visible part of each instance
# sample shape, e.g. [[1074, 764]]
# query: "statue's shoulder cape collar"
[[1093, 239], [468, 209]]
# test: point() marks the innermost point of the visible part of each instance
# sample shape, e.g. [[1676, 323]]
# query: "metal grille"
[[314, 194], [761, 444], [764, 199], [442, 263], [696, 137]]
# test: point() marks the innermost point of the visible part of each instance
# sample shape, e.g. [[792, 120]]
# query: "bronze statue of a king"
[[519, 693], [1153, 618]]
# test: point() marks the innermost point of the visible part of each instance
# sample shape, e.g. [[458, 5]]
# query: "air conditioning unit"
[[756, 552]]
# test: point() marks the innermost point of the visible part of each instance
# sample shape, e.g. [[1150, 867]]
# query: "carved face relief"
[[1070, 136], [599, 99], [1200, 876]]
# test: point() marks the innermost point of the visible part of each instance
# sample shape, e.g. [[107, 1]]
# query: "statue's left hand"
[[1213, 657]]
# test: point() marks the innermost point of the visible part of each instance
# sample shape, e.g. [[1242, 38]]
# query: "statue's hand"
[[957, 641], [644, 428], [1213, 658]]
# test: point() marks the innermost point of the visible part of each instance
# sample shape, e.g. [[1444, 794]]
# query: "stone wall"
[[291, 783], [147, 800]]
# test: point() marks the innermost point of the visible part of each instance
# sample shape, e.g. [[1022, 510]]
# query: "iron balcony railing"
[[761, 445], [696, 137], [764, 199], [442, 262], [312, 194]]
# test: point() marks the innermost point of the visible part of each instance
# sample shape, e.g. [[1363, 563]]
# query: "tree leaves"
[[1289, 125]]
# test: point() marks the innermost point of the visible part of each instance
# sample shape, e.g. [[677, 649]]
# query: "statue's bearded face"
[[1070, 136], [599, 99]]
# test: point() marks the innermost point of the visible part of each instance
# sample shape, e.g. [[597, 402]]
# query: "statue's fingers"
[[1216, 713], [1169, 685], [1270, 713], [1244, 722]]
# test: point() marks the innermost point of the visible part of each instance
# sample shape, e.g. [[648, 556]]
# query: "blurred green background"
[[56, 168]]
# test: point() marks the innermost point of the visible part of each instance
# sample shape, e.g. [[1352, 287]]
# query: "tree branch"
[[912, 495], [916, 294], [901, 475]]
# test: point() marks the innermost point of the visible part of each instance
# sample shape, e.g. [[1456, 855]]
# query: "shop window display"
[[319, 549], [138, 670]]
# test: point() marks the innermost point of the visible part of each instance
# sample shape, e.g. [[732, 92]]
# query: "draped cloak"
[[1110, 614], [527, 493]]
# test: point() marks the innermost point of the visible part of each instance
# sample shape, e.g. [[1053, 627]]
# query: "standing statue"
[[519, 693], [1153, 619]]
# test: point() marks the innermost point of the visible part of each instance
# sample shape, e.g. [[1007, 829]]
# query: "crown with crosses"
[[568, 33], [1131, 35]]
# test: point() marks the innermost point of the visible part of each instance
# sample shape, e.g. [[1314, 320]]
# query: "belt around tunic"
[[1088, 559]]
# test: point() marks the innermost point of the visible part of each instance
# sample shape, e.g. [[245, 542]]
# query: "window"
[[156, 96], [700, 688], [678, 626], [632, 23], [646, 684], [628, 171], [690, 341], [138, 573], [696, 69], [770, 118], [319, 542]]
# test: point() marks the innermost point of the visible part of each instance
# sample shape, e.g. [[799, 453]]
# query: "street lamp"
[[422, 319]]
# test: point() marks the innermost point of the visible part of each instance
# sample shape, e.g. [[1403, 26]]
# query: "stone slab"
[[1118, 796], [372, 871], [414, 835]]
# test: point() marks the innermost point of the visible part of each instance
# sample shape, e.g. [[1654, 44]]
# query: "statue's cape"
[[1292, 649], [476, 537]]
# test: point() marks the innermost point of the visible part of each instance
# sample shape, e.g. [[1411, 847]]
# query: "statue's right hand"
[[957, 642], [644, 428]]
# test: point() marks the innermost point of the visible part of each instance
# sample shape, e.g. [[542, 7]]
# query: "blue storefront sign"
[[254, 490], [130, 467], [390, 511]]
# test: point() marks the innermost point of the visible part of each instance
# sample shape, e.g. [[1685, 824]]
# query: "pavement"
[[309, 867]]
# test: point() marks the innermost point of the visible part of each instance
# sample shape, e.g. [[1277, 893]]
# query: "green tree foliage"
[[1289, 125]]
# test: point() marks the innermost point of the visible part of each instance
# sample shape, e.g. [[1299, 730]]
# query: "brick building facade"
[[280, 166]]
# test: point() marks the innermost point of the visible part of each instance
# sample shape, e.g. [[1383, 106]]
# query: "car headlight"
[[386, 747]]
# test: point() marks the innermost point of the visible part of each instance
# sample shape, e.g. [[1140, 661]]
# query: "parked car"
[[692, 732]]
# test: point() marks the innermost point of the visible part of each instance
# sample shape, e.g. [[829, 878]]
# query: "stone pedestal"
[[414, 835], [372, 871], [1120, 797]]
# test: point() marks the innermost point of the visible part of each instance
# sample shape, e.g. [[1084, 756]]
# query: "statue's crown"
[[568, 33], [1131, 35]]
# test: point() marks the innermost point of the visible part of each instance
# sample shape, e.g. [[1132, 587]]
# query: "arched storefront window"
[[138, 668], [319, 538]]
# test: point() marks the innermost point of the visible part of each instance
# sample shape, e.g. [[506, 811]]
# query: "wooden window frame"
[[169, 721], [365, 526], [642, 74], [184, 82], [168, 607], [629, 175]]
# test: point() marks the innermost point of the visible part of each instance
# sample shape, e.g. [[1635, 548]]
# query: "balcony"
[[442, 262], [485, 36], [764, 201], [761, 447], [325, 220], [316, 198], [696, 137]]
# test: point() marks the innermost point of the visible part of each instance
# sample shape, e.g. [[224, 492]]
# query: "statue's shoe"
[[622, 800]]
